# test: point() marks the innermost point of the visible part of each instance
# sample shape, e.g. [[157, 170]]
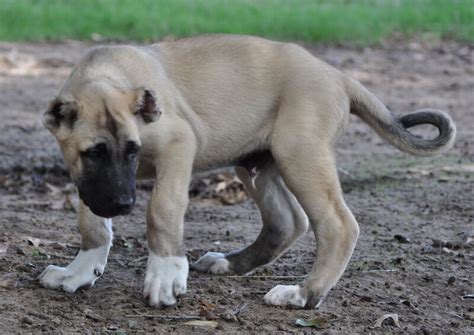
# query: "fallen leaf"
[[35, 252], [207, 304], [394, 317], [220, 186], [319, 323], [8, 283], [201, 323]]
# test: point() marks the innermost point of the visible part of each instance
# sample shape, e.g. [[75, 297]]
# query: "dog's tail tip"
[[428, 147]]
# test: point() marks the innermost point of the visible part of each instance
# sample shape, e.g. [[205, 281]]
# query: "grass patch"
[[361, 22]]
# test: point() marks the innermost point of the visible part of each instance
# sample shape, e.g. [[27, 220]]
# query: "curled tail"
[[365, 105]]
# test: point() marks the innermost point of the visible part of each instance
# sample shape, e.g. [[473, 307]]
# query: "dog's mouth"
[[110, 208]]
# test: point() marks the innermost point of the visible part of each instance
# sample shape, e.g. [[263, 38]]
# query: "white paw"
[[212, 262], [282, 295], [165, 279], [84, 270]]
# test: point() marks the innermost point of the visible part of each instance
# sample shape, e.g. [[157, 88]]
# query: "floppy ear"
[[146, 106], [60, 113]]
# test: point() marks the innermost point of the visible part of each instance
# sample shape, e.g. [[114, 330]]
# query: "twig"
[[344, 172], [94, 317], [140, 259], [166, 317]]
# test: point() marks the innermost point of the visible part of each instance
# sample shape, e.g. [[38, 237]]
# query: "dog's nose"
[[124, 204]]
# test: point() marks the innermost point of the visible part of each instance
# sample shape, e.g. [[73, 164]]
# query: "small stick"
[[344, 172], [140, 259], [94, 317]]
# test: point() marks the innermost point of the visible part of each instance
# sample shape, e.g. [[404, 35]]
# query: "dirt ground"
[[414, 257]]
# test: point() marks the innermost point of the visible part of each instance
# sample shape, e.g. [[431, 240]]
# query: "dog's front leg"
[[167, 268], [90, 262]]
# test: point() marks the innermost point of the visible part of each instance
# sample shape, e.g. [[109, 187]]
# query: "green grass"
[[360, 22]]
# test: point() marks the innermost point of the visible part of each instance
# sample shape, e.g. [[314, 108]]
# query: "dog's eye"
[[96, 151], [131, 150]]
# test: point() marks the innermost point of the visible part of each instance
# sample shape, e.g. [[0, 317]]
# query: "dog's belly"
[[230, 148]]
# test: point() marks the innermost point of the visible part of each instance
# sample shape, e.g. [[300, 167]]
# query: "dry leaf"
[[318, 323], [379, 321], [220, 186], [207, 304], [8, 283], [201, 323]]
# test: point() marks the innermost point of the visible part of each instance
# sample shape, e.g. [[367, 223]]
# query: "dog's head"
[[98, 132]]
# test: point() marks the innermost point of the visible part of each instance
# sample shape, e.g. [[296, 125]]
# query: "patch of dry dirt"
[[407, 208]]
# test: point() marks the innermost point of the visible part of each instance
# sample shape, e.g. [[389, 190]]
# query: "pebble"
[[401, 239], [451, 280], [282, 328], [112, 327], [26, 320]]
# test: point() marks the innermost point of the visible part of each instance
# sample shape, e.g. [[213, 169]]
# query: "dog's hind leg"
[[283, 222], [90, 262], [309, 169]]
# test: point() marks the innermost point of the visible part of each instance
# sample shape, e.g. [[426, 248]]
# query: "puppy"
[[164, 111]]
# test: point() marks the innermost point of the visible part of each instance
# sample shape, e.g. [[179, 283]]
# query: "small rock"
[[19, 251], [469, 316], [229, 317], [425, 331], [451, 280], [282, 328], [427, 249], [26, 320], [112, 327], [401, 239]]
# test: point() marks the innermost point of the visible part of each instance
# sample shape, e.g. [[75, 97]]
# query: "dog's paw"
[[84, 270], [282, 295], [165, 279], [212, 262]]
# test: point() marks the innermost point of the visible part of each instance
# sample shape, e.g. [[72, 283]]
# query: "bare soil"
[[414, 257]]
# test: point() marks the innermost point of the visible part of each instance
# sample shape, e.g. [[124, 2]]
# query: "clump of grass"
[[361, 22]]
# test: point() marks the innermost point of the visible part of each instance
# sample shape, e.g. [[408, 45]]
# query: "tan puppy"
[[164, 111]]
